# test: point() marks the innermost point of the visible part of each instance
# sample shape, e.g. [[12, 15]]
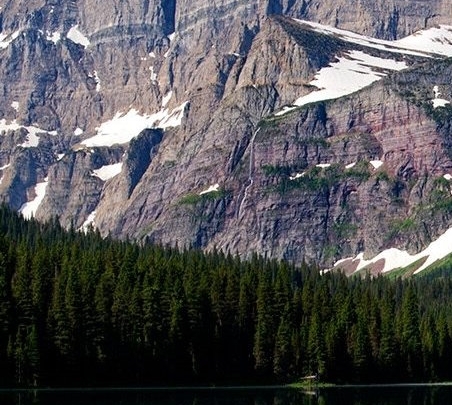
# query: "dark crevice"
[[248, 38], [274, 7], [393, 25], [141, 152], [169, 16], [145, 7]]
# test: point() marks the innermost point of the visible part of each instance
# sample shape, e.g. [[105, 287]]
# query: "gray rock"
[[235, 63]]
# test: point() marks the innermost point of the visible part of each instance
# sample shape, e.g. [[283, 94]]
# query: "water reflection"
[[413, 395]]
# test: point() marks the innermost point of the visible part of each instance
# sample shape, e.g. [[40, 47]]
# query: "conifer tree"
[[410, 338], [265, 331]]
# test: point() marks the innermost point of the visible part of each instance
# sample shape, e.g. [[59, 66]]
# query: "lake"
[[376, 395]]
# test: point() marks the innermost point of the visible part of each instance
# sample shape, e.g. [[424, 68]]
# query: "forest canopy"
[[81, 310]]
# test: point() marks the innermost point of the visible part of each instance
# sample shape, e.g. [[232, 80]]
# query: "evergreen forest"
[[81, 310]]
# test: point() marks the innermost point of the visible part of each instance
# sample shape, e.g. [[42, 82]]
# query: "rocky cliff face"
[[159, 120]]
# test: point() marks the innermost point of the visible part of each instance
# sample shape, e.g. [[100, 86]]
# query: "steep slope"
[[386, 19], [208, 124]]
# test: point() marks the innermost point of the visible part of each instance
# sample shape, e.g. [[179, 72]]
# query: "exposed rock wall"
[[234, 63], [389, 19]]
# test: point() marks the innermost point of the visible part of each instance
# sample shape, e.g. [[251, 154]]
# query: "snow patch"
[[436, 91], [396, 258], [427, 43], [323, 165], [172, 36], [346, 259], [1, 169], [13, 126], [15, 105], [107, 172], [438, 101], [376, 163], [437, 40], [53, 36], [76, 36], [152, 54], [122, 128], [32, 137], [32, 140], [78, 131], [211, 189], [297, 176], [166, 98], [174, 119], [356, 69], [349, 166], [97, 80], [28, 210], [90, 222], [6, 39], [351, 73], [153, 74], [447, 176], [60, 156]]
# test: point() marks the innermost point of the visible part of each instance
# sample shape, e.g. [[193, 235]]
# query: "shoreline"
[[297, 386]]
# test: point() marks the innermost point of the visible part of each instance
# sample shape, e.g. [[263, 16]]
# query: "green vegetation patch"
[[440, 114], [314, 141], [309, 385], [441, 268], [271, 121], [441, 198], [316, 178], [193, 199], [344, 229], [361, 171], [402, 226], [278, 170], [405, 272]]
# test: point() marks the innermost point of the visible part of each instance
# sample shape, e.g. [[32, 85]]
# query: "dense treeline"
[[77, 309]]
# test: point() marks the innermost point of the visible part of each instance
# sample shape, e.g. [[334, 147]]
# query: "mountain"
[[295, 129]]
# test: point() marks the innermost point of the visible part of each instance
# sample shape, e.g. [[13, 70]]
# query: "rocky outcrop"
[[380, 18], [224, 171]]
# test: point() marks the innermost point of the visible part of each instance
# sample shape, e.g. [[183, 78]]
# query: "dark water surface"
[[376, 395]]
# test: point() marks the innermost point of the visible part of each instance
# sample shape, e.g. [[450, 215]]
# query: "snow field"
[[431, 42], [356, 70], [122, 128], [351, 73], [108, 172], [76, 36], [396, 258], [28, 210]]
